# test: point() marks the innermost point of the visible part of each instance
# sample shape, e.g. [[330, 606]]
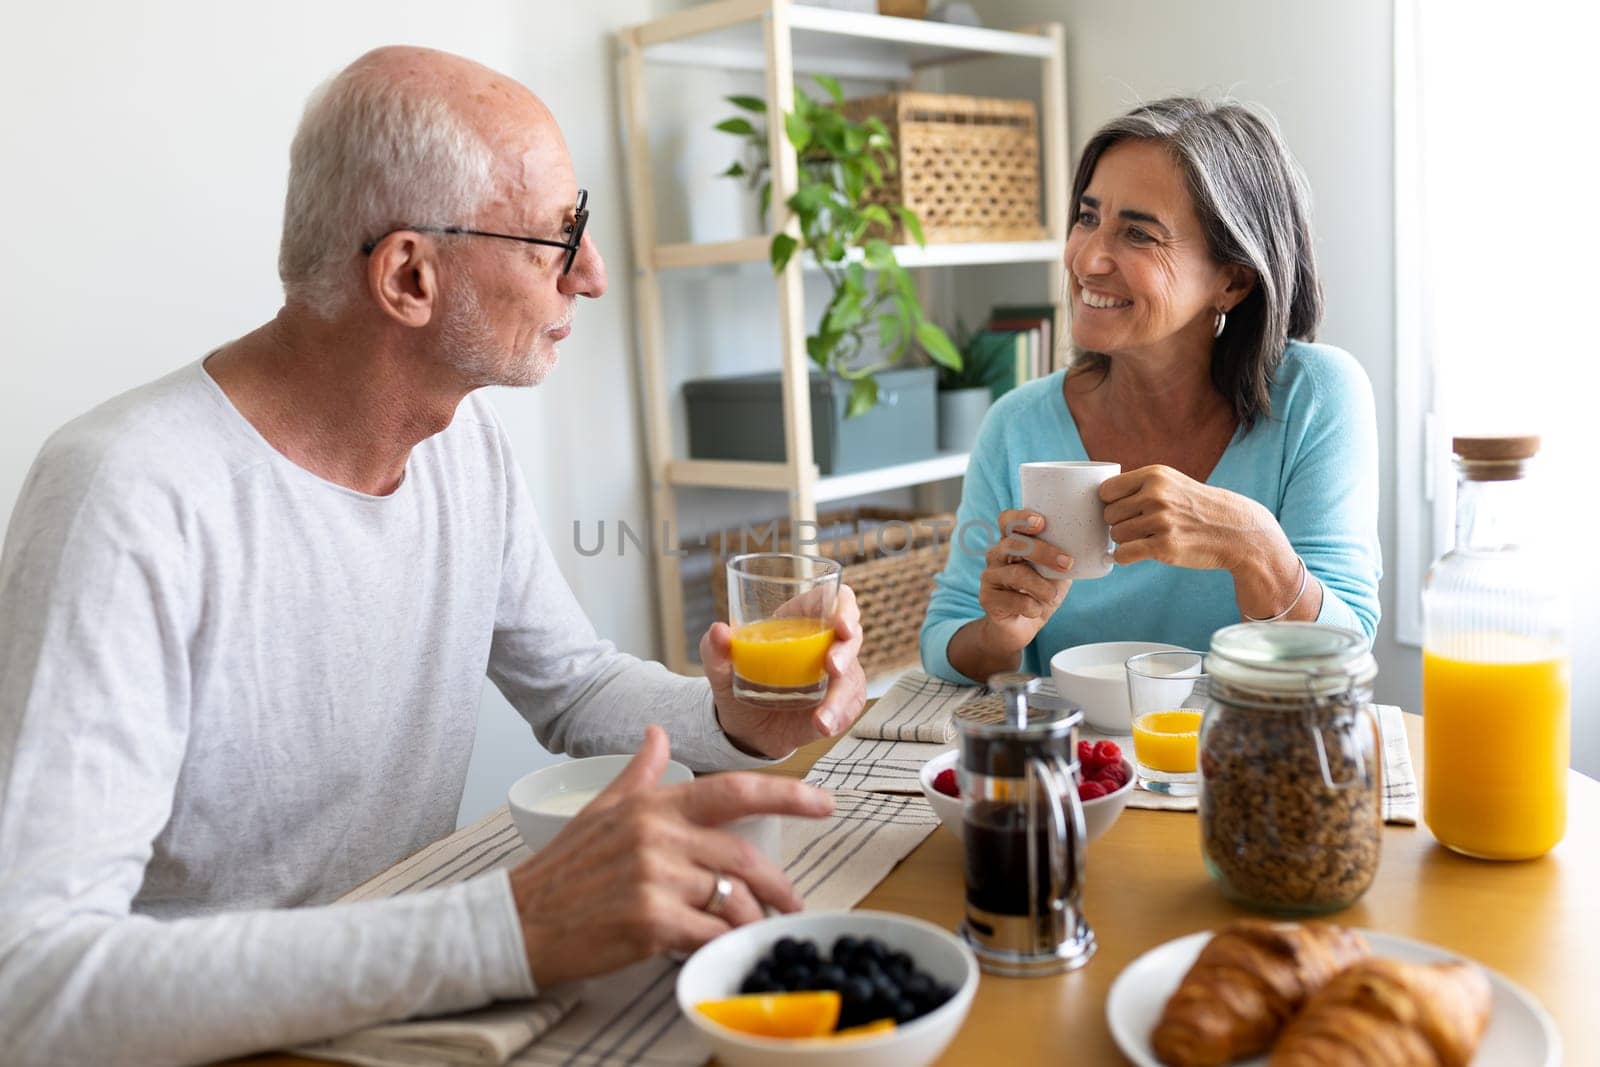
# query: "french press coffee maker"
[[1023, 831]]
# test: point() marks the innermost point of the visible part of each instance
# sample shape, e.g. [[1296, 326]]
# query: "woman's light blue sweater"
[[1313, 462]]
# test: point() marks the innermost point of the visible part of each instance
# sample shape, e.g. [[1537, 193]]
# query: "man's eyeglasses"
[[580, 219]]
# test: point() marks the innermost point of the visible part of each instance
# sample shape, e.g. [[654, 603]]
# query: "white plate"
[[1520, 1034]]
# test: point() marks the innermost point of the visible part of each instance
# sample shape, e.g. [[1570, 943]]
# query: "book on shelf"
[[1035, 334], [1016, 346], [1025, 317], [1046, 312]]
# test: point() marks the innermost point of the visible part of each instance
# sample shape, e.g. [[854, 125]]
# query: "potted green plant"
[[967, 390], [842, 166]]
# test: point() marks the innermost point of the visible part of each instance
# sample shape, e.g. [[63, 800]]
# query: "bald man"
[[245, 615]]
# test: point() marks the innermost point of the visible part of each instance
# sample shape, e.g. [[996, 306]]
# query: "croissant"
[[1245, 984], [1387, 1013]]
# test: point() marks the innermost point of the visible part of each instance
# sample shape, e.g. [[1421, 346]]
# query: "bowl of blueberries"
[[830, 989]]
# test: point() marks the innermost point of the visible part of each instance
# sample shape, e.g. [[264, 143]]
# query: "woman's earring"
[[1222, 321]]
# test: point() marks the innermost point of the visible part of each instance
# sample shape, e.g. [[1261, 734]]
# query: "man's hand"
[[629, 876], [777, 732]]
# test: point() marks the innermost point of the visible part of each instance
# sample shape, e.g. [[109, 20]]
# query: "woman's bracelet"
[[1305, 578]]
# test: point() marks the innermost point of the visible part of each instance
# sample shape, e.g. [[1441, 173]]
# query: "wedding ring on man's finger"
[[720, 892]]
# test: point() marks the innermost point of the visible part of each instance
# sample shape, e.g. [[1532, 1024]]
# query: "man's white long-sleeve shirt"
[[231, 690]]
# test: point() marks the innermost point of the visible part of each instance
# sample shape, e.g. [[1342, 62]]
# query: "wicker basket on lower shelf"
[[890, 557]]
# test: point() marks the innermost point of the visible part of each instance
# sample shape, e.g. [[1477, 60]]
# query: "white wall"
[[1325, 71], [145, 149]]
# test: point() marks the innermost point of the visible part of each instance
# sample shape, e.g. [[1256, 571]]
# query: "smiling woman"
[[1249, 454], [1214, 196]]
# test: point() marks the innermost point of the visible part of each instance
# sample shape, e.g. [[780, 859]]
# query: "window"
[[1497, 225]]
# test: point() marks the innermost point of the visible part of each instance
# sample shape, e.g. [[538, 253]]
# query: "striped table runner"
[[630, 1017], [917, 707], [916, 721]]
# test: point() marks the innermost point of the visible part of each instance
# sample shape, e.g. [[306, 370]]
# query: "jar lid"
[[1494, 459], [1283, 659], [1496, 449]]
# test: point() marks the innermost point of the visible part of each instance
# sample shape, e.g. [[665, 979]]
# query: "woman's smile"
[[1102, 301]]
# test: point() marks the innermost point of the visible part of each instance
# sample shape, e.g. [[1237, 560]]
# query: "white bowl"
[[1098, 814], [718, 969], [947, 808], [1095, 677], [573, 776]]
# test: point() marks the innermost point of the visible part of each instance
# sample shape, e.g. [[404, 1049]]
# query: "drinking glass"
[[781, 609], [1166, 693]]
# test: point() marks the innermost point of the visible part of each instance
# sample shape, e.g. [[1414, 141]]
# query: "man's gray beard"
[[467, 345]]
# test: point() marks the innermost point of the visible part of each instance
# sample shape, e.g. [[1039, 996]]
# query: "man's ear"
[[1241, 281], [403, 279]]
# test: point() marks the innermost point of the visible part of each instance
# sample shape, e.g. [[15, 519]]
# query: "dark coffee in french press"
[[1023, 835]]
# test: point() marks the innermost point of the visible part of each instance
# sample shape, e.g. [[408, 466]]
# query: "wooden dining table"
[[1536, 922]]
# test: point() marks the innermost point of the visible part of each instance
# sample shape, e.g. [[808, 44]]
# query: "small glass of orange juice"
[[1167, 691], [781, 609]]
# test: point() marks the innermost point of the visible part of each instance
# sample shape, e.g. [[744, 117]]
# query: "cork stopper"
[[1494, 459], [1495, 449]]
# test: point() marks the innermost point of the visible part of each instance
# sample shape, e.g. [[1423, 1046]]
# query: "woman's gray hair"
[[371, 156], [1255, 206]]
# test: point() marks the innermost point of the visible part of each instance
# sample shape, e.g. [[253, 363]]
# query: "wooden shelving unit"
[[783, 39]]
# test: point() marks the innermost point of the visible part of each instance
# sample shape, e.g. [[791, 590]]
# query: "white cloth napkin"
[[490, 1036]]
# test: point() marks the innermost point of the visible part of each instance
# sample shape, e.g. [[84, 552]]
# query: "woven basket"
[[968, 165], [890, 558]]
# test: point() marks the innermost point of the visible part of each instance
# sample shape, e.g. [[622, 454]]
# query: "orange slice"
[[776, 1014], [854, 1033]]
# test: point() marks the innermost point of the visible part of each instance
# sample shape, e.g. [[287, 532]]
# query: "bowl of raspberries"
[[1105, 781]]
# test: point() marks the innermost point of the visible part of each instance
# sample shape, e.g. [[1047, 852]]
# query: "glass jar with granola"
[[1290, 767]]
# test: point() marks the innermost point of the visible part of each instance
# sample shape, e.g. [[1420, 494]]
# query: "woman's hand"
[[1017, 600], [1162, 514]]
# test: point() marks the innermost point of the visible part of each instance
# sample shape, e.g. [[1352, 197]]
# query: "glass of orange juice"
[[1482, 685], [781, 609], [1166, 692]]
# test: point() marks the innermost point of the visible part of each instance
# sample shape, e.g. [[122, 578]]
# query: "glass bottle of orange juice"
[[1496, 668]]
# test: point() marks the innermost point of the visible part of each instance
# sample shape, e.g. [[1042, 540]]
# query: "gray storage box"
[[742, 418]]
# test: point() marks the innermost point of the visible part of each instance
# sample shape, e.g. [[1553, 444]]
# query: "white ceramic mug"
[[1067, 494]]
